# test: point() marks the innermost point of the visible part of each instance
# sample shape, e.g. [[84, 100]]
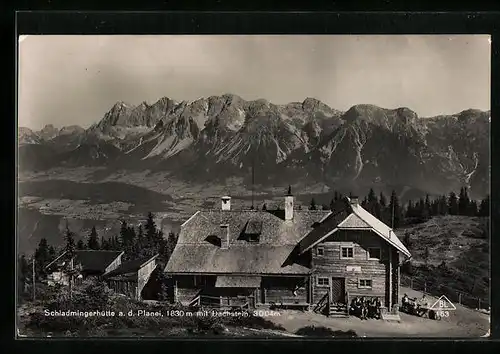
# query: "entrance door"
[[337, 290]]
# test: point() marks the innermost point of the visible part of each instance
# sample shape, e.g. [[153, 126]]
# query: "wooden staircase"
[[337, 310], [331, 309]]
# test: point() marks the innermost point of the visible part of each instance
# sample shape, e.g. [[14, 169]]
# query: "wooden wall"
[[281, 290], [395, 276], [277, 289], [143, 275], [330, 264], [127, 288], [185, 295]]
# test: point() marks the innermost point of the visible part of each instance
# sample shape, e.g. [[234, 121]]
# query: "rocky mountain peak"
[[48, 132]]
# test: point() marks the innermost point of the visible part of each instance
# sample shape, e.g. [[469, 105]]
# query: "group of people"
[[365, 308], [414, 306]]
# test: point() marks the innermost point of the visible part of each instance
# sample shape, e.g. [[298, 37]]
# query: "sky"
[[66, 80]]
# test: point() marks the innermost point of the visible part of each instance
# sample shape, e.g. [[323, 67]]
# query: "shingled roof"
[[196, 252], [132, 266], [92, 260], [95, 260]]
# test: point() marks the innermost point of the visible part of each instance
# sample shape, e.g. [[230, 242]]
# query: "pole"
[[253, 182], [71, 279], [392, 221], [34, 290]]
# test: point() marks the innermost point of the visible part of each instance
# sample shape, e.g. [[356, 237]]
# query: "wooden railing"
[[196, 301], [321, 302]]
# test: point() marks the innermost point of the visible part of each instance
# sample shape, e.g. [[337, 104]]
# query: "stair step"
[[338, 315]]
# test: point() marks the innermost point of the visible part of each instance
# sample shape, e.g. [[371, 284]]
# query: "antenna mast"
[[253, 182], [392, 221]]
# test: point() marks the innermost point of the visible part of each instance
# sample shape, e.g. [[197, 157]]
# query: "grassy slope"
[[462, 243]]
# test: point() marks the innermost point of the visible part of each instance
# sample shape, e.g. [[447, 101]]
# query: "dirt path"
[[463, 322]]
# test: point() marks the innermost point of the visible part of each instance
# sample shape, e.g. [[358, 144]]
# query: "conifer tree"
[[435, 207], [42, 257], [105, 244], [427, 207], [93, 242], [452, 204], [395, 211], [264, 207], [420, 209], [443, 205], [312, 206], [484, 207], [150, 227], [409, 210], [463, 202], [80, 245], [69, 237], [171, 242], [52, 253], [383, 200], [472, 209]]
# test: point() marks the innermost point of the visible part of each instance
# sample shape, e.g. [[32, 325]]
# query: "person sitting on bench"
[[371, 308], [404, 300], [406, 304], [364, 308], [377, 304], [356, 307], [422, 306]]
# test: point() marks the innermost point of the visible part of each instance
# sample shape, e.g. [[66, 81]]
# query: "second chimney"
[[226, 203], [354, 200], [289, 204], [224, 237]]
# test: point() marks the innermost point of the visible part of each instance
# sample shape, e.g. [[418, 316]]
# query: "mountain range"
[[225, 136]]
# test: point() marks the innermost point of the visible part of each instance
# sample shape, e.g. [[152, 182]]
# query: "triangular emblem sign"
[[443, 304]]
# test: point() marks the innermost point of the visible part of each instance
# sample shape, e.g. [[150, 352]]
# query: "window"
[[373, 253], [365, 283], [320, 251], [347, 252], [198, 280], [253, 238], [323, 281]]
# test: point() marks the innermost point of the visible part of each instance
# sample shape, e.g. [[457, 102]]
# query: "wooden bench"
[[392, 315]]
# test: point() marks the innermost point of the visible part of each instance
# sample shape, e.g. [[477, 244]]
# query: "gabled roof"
[[354, 217], [91, 260], [132, 266], [380, 228], [338, 214], [195, 253]]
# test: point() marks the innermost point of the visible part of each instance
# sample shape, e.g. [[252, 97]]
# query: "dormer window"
[[253, 230]]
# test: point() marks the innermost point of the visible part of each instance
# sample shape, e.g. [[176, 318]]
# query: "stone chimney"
[[226, 203], [289, 204], [354, 200], [224, 236]]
